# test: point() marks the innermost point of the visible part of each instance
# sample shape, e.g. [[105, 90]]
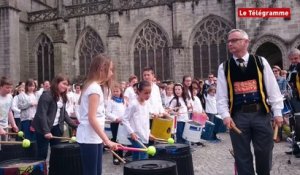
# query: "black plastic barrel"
[[180, 153], [23, 166], [65, 159], [15, 151], [150, 167]]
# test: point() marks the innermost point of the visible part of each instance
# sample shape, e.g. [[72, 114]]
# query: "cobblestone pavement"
[[215, 159]]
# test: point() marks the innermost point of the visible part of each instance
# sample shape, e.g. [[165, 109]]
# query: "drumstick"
[[137, 140], [11, 142], [275, 132], [237, 130], [124, 148], [62, 138], [117, 156]]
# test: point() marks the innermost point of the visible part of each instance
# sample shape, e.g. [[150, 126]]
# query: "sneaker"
[[116, 162]]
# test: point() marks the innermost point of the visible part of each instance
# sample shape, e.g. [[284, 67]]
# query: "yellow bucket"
[[162, 127]]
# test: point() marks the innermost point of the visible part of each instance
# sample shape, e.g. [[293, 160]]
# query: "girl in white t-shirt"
[[169, 95], [136, 119], [180, 104], [90, 132], [115, 110], [28, 103]]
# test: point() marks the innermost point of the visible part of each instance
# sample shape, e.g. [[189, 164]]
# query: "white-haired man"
[[245, 82]]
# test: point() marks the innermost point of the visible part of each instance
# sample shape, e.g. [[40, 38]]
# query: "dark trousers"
[[91, 158], [179, 132], [212, 118], [114, 130], [18, 123], [295, 122], [25, 127], [138, 155], [43, 143], [256, 128]]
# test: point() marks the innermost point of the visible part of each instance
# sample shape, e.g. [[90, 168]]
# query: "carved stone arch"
[[296, 42], [273, 48], [88, 45], [44, 53], [208, 45], [150, 47]]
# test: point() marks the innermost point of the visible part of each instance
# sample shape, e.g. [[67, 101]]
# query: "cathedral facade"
[[42, 38]]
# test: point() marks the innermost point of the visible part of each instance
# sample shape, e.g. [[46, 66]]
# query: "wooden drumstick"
[[117, 156], [11, 142], [237, 130], [137, 140], [62, 138], [275, 132]]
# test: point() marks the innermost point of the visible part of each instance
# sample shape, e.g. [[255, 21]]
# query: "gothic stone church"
[[41, 38]]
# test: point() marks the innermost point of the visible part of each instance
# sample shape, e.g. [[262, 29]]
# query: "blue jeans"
[[179, 132], [43, 143], [138, 155], [91, 158], [25, 127]]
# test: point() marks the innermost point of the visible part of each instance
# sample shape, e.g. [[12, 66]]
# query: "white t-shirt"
[[85, 132], [210, 104], [183, 110], [167, 100], [115, 110], [136, 120], [197, 106], [130, 94], [155, 100], [5, 105], [59, 106]]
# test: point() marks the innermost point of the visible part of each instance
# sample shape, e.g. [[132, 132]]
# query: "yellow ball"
[[21, 134], [26, 143], [171, 141], [151, 150], [73, 139]]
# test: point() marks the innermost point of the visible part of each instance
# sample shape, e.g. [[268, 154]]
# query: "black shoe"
[[127, 154], [116, 162], [292, 152], [200, 144]]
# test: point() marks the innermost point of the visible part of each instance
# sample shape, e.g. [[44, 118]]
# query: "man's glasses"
[[234, 40]]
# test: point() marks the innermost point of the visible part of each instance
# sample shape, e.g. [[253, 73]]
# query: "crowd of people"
[[243, 96]]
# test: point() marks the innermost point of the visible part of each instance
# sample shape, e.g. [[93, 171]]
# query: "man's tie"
[[241, 64]]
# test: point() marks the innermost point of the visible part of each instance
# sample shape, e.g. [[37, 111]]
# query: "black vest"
[[245, 87]]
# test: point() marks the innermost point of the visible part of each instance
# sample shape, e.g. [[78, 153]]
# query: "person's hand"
[[48, 136], [228, 122], [133, 136], [15, 128], [2, 131], [152, 137], [278, 120], [112, 145], [118, 120]]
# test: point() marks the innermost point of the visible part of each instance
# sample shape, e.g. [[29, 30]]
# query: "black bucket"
[[150, 167], [65, 159], [15, 151], [23, 166], [180, 153]]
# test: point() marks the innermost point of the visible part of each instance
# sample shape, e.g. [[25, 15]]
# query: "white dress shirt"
[[155, 100], [114, 110], [136, 120], [273, 94]]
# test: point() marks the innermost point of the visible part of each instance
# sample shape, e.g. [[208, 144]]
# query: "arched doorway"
[[271, 52]]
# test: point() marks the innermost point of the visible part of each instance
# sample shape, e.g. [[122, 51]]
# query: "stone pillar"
[[114, 45], [9, 40]]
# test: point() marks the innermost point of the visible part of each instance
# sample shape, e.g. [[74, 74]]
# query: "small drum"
[[162, 127], [23, 166], [200, 118], [122, 135], [107, 130], [192, 131], [208, 130], [287, 108]]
